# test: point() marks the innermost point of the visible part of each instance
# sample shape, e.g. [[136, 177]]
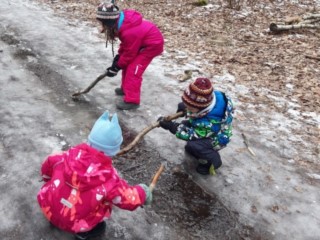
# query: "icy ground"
[[277, 190]]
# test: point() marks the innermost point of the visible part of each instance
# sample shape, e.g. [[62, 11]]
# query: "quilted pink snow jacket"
[[136, 34], [81, 187]]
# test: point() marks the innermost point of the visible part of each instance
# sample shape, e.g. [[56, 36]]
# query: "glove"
[[146, 189], [186, 123], [182, 108], [115, 61], [112, 71], [168, 125]]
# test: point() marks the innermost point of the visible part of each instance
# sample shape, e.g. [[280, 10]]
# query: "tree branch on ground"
[[297, 22]]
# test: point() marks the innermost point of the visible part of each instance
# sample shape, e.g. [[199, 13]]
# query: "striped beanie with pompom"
[[198, 94], [108, 14]]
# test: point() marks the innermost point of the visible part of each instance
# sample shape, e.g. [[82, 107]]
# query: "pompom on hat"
[[108, 14], [106, 135], [198, 94]]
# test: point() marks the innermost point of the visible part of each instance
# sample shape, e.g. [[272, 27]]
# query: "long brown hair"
[[111, 35]]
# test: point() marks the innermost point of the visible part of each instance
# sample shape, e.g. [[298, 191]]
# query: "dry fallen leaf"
[[254, 209], [298, 189], [275, 208]]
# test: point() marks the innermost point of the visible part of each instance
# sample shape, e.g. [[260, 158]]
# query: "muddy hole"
[[9, 39], [177, 200], [24, 53]]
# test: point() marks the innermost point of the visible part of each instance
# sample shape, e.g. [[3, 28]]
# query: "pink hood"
[[132, 19], [91, 167], [137, 34]]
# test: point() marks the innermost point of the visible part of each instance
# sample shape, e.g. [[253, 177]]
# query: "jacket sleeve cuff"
[[142, 194]]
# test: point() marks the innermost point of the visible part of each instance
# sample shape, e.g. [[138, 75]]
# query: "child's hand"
[[112, 71], [168, 125], [115, 60], [148, 192], [182, 108]]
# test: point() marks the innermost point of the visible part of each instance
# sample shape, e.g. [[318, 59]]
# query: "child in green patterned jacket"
[[208, 128]]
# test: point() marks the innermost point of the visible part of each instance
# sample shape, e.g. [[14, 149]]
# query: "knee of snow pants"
[[132, 78]]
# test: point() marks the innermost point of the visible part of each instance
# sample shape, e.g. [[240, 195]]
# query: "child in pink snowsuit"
[[141, 41], [81, 185]]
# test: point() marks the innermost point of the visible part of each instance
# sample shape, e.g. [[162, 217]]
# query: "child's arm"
[[128, 50], [128, 197], [188, 131], [197, 129], [48, 165]]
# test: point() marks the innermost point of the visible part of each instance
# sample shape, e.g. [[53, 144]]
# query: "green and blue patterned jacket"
[[216, 124]]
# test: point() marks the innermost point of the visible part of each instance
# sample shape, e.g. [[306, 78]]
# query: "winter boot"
[[119, 92], [205, 167], [126, 105], [95, 232]]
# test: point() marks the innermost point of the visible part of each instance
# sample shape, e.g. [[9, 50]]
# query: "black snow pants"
[[202, 149]]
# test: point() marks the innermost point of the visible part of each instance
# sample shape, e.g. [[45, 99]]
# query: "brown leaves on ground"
[[218, 39], [238, 41]]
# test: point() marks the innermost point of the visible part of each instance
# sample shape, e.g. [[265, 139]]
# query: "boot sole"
[[131, 107]]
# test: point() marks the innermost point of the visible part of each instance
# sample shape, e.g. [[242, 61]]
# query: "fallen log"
[[313, 57], [146, 130], [311, 21], [277, 28], [312, 16]]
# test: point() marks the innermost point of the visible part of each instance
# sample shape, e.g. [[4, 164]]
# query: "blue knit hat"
[[106, 135]]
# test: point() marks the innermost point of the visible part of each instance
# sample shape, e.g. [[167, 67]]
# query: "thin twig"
[[156, 177], [245, 140], [98, 79]]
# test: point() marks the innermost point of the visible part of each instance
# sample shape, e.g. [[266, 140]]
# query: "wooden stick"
[[245, 140], [98, 79], [156, 177], [146, 130], [313, 57]]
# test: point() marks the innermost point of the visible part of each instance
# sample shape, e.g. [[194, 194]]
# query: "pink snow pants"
[[132, 75]]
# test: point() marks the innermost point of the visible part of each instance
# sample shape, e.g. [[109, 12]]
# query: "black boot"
[[95, 232], [126, 105], [119, 92], [205, 167]]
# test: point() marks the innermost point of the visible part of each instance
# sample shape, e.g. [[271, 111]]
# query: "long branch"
[[98, 79], [146, 130]]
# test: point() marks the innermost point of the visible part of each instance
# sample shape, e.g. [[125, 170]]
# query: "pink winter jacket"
[[137, 35], [81, 188]]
